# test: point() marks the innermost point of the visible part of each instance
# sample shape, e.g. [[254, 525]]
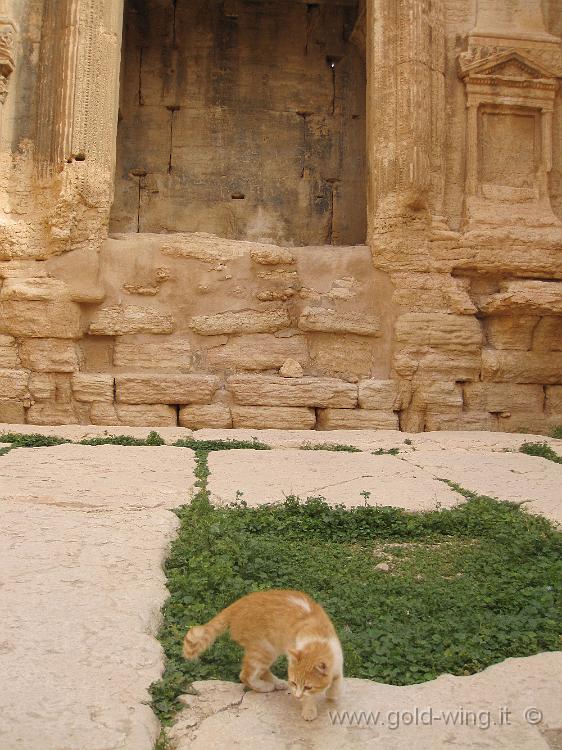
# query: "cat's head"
[[310, 669]]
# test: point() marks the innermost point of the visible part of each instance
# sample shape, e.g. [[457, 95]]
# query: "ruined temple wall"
[[450, 318]]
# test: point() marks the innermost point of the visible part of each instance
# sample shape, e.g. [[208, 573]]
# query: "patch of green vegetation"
[[541, 449], [221, 445], [153, 438], [32, 440], [330, 447], [386, 452], [557, 432], [408, 441], [467, 587]]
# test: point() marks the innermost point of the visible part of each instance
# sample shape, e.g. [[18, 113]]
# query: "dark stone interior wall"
[[243, 118]]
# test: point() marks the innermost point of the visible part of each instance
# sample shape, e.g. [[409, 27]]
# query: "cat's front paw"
[[309, 712]]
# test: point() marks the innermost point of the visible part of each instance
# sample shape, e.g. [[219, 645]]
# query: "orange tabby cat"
[[270, 623]]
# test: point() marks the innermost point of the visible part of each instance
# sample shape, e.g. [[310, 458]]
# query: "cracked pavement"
[[85, 531]]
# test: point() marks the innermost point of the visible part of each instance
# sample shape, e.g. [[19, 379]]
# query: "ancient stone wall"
[[450, 317]]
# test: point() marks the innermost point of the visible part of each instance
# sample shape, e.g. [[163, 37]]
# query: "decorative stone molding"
[[8, 31], [510, 101]]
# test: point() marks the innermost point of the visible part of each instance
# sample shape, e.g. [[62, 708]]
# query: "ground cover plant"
[[541, 449], [465, 588]]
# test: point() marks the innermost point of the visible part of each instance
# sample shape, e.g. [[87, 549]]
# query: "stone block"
[[503, 397], [341, 356], [22, 269], [553, 401], [384, 395], [527, 296], [547, 336], [511, 332], [357, 419], [271, 390], [327, 320], [142, 355], [437, 397], [273, 417], [133, 415], [432, 292], [33, 319], [13, 384], [428, 364], [271, 255], [165, 389], [291, 369], [201, 416], [52, 414], [522, 367], [535, 423], [120, 320], [450, 333], [35, 289], [259, 351], [9, 358], [12, 412], [469, 421], [91, 387], [50, 355], [241, 321], [42, 386]]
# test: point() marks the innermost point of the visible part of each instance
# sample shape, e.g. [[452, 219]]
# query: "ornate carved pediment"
[[511, 67]]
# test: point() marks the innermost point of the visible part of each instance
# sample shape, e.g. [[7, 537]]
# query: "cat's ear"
[[321, 667], [294, 653]]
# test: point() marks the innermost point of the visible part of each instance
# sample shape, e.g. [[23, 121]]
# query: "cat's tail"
[[200, 637]]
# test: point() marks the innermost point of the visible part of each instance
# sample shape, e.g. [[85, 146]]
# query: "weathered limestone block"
[[206, 247], [12, 412], [553, 401], [241, 321], [168, 355], [432, 292], [271, 255], [511, 332], [522, 367], [291, 369], [9, 358], [356, 419], [525, 421], [503, 397], [13, 384], [273, 417], [327, 320], [271, 390], [198, 417], [40, 289], [33, 319], [91, 387], [439, 331], [119, 320], [42, 386], [165, 389], [529, 296], [342, 356], [22, 269], [133, 415], [459, 421], [384, 395], [437, 397], [50, 413], [547, 336], [50, 355], [428, 364], [259, 351]]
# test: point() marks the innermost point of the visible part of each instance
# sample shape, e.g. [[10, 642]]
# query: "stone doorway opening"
[[244, 119]]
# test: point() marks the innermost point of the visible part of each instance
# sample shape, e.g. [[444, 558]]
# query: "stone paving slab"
[[223, 716], [269, 476], [102, 475], [515, 477], [85, 531]]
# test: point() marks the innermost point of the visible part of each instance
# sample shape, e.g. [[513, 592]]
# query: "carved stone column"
[[405, 71], [8, 32]]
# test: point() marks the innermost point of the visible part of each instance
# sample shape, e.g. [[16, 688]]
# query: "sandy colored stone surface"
[[85, 533], [515, 477], [224, 716], [269, 476]]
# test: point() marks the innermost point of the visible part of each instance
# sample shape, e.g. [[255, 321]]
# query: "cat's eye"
[[308, 687], [292, 684]]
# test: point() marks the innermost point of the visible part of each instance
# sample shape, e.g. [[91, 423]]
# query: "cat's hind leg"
[[255, 672], [335, 691]]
